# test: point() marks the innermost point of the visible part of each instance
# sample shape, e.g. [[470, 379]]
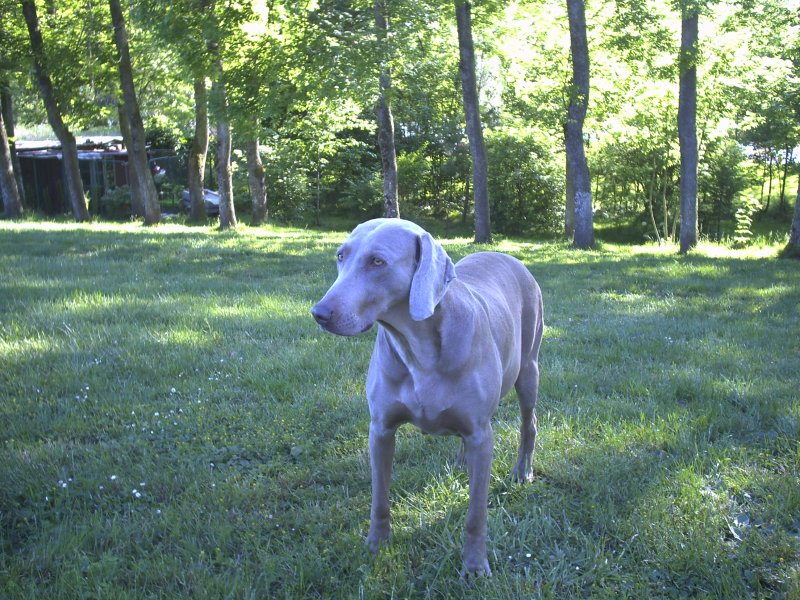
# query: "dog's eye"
[[378, 262], [340, 256]]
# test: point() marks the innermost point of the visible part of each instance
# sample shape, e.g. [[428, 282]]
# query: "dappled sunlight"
[[185, 364]]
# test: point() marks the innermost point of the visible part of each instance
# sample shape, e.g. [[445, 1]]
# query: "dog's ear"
[[434, 272]]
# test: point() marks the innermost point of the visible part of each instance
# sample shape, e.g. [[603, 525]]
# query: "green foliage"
[[162, 137], [204, 439], [525, 188], [116, 203], [723, 175], [305, 80], [743, 234], [289, 181]]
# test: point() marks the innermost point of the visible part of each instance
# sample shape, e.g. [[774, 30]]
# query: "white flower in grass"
[[136, 493]]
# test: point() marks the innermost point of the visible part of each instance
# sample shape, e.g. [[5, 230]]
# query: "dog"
[[452, 341]]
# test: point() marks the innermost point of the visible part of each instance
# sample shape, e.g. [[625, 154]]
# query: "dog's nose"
[[322, 314]]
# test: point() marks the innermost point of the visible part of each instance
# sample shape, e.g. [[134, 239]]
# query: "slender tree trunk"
[[793, 247], [687, 124], [255, 179], [769, 184], [569, 206], [578, 169], [137, 207], [789, 153], [9, 193], [477, 147], [465, 205], [7, 106], [652, 198], [69, 150], [391, 207], [197, 155], [227, 212], [137, 152], [664, 205]]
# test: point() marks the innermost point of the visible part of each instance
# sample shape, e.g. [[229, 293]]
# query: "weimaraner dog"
[[452, 341]]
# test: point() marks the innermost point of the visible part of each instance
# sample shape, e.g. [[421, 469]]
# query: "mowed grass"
[[174, 425]]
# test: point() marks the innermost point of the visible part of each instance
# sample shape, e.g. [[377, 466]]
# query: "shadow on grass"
[[188, 361]]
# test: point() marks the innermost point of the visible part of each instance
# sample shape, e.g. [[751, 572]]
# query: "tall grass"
[[174, 425]]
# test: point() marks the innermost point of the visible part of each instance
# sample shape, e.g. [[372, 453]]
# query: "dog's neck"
[[441, 343], [414, 342]]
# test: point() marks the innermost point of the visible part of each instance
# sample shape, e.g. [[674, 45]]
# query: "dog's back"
[[506, 288]]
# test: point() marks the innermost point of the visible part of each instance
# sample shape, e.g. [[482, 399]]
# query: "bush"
[[526, 186], [116, 203], [723, 175], [743, 233]]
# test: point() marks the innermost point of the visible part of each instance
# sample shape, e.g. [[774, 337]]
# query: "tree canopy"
[[302, 81]]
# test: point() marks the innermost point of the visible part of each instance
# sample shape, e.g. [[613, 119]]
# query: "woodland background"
[[296, 84]]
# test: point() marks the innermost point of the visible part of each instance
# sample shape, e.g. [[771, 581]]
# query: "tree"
[[137, 152], [12, 206], [7, 107], [69, 149], [793, 247], [227, 211], [386, 119], [197, 153], [577, 167], [687, 123], [256, 181], [477, 146]]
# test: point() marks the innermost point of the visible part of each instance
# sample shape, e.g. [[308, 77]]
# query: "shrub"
[[526, 187]]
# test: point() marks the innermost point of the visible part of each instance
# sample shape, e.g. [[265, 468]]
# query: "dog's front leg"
[[478, 454], [381, 454]]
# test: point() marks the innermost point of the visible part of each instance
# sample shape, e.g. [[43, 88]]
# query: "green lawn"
[[174, 425]]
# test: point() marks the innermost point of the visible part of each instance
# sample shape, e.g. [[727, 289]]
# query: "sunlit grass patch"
[[175, 425]]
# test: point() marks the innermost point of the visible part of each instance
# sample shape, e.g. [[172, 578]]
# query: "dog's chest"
[[434, 406], [429, 407]]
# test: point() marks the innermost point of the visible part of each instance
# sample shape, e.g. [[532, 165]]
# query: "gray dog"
[[452, 342]]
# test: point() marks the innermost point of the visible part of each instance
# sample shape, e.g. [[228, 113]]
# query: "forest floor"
[[175, 425]]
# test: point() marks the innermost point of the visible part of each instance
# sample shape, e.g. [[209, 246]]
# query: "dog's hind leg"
[[527, 387]]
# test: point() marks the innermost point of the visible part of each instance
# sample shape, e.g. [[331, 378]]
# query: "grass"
[[174, 425]]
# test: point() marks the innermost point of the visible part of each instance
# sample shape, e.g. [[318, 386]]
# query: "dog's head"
[[384, 265]]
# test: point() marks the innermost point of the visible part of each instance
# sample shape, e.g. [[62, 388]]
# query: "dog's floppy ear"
[[434, 272]]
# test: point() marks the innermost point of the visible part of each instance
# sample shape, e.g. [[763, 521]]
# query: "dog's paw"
[[479, 569], [376, 538], [522, 473]]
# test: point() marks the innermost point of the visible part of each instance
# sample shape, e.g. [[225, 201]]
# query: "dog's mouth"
[[336, 331]]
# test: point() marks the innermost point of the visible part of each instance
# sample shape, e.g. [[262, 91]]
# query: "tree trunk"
[[687, 124], [138, 166], [73, 185], [9, 193], [569, 206], [255, 179], [137, 208], [769, 185], [391, 207], [7, 106], [652, 198], [788, 154], [227, 212], [477, 147], [578, 169], [197, 156], [793, 247]]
